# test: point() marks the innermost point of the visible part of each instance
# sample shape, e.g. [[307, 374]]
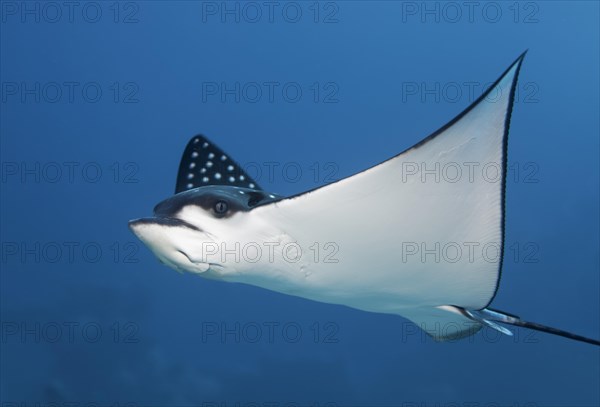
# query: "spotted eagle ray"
[[222, 225]]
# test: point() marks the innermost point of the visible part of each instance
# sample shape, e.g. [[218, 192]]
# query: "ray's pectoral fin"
[[203, 163], [464, 210]]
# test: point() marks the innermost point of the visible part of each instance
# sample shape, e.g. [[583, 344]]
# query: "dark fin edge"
[[518, 62]]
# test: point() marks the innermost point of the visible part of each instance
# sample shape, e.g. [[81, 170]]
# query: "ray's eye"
[[221, 207]]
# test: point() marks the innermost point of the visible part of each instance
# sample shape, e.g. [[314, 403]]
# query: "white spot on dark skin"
[[205, 179], [242, 178], [190, 175], [211, 155], [190, 186], [205, 145], [202, 170], [230, 168], [192, 165], [223, 157], [231, 179], [194, 154], [251, 185], [218, 175], [209, 164]]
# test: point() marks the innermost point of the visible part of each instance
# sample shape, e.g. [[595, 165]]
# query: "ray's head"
[[189, 230]]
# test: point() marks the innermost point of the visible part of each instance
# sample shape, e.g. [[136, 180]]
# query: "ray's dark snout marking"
[[214, 198], [163, 221]]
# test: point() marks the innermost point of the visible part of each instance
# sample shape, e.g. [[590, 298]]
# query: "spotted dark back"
[[203, 164]]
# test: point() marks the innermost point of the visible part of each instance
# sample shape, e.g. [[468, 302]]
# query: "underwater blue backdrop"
[[98, 102]]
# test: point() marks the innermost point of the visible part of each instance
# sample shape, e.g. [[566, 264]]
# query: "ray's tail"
[[490, 317]]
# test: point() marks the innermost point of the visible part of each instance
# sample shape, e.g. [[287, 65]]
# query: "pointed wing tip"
[[513, 69], [521, 57]]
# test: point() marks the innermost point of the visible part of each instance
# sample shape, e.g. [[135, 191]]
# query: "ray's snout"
[[169, 207], [136, 224], [165, 214]]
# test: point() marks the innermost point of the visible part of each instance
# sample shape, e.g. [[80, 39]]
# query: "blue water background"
[[154, 66]]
